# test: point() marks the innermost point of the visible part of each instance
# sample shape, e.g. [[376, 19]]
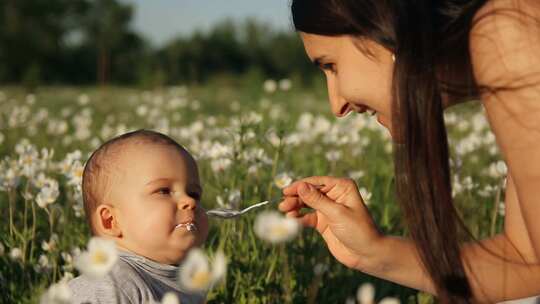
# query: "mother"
[[407, 61]]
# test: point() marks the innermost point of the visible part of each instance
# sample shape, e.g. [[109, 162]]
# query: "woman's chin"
[[381, 120]]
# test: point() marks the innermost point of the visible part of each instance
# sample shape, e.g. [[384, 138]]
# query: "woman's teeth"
[[364, 109]]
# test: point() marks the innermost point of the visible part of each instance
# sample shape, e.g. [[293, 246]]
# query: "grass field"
[[243, 137]]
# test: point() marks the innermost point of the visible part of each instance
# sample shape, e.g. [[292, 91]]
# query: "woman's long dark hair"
[[430, 40]]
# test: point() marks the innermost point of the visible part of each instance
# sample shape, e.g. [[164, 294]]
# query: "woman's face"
[[356, 82]]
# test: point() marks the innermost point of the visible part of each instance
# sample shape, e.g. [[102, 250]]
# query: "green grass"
[[258, 272]]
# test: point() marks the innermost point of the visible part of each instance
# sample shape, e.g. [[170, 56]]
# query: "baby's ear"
[[107, 221]]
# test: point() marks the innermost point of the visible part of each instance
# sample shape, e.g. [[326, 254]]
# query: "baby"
[[142, 190]]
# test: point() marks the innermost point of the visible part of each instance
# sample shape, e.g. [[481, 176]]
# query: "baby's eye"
[[164, 191]]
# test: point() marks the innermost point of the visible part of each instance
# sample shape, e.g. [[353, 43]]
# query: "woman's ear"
[[106, 221]]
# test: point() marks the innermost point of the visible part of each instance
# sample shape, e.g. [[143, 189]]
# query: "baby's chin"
[[174, 256], [182, 248], [178, 245]]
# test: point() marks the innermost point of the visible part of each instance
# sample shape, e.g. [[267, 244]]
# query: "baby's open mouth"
[[190, 226]]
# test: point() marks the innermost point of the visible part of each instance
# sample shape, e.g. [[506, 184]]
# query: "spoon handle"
[[255, 206]]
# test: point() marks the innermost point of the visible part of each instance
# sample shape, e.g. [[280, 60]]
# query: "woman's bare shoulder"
[[505, 42], [505, 52]]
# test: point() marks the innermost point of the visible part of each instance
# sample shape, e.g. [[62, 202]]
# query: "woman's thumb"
[[314, 198]]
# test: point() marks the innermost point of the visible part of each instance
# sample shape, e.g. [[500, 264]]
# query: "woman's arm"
[[500, 268], [492, 278]]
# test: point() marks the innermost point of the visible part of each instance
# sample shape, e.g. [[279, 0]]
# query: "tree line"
[[86, 42]]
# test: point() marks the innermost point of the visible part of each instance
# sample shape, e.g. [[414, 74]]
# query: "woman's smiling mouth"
[[363, 109]]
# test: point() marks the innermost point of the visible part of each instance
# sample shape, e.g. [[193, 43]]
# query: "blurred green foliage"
[[91, 41]]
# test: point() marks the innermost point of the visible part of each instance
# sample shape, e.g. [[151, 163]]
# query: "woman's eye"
[[164, 191], [329, 67]]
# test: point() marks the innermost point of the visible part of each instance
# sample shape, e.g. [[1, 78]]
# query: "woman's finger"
[[317, 200], [324, 183], [294, 214], [307, 220], [290, 203]]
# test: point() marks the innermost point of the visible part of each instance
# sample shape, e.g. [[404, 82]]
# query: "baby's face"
[[156, 195]]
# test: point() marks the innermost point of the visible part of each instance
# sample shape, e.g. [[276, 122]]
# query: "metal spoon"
[[230, 213]]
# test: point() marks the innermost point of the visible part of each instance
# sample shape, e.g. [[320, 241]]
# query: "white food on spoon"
[[190, 226]]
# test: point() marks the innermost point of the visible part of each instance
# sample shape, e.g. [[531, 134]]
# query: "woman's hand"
[[339, 215]]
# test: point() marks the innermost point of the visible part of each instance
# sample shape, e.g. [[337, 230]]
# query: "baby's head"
[[142, 190]]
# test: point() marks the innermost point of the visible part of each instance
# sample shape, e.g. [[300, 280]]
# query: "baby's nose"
[[187, 204]]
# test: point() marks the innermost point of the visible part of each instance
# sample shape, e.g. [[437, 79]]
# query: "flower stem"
[[11, 202], [25, 225], [33, 238], [286, 280], [274, 169], [495, 212], [51, 220], [55, 267]]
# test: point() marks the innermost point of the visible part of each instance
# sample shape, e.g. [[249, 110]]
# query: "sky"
[[162, 20]]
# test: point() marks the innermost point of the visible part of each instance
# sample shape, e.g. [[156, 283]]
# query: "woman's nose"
[[187, 203], [340, 107]]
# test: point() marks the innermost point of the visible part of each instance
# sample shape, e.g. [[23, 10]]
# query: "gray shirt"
[[134, 279]]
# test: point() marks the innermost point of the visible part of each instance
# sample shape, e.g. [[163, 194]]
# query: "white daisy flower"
[[220, 164], [99, 259], [366, 195], [285, 84], [43, 262], [234, 198], [28, 160], [502, 208], [357, 174], [282, 180], [366, 294], [272, 227], [83, 99], [48, 194], [390, 300], [58, 293], [270, 86], [75, 173], [197, 274], [15, 253], [320, 268], [51, 244], [9, 178], [170, 298], [333, 155]]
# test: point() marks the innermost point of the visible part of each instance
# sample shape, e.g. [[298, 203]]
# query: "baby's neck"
[[125, 249]]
